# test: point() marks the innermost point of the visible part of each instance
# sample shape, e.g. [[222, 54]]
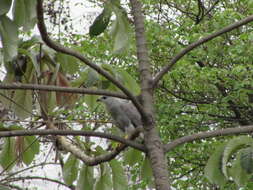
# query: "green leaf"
[[129, 82], [101, 22], [238, 174], [91, 101], [108, 68], [5, 6], [213, 170], [19, 12], [120, 31], [132, 156], [70, 170], [23, 103], [104, 182], [146, 171], [31, 15], [86, 178], [34, 147], [7, 155], [51, 104], [119, 178], [24, 13], [231, 147], [247, 159], [69, 64], [9, 37]]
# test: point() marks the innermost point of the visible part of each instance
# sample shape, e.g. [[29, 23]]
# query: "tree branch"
[[58, 47], [151, 138], [72, 133], [203, 40], [60, 89], [203, 135]]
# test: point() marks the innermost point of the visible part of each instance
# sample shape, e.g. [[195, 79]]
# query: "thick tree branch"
[[40, 87], [72, 133], [203, 135], [203, 40], [151, 138], [80, 154], [58, 47]]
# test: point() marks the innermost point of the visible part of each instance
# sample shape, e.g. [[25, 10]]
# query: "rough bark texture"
[[151, 138]]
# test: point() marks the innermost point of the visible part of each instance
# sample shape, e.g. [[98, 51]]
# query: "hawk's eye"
[[104, 97]]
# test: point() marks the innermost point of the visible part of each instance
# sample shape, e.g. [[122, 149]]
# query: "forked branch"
[[58, 47]]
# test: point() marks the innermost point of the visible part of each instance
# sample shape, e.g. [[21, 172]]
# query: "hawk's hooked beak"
[[98, 100]]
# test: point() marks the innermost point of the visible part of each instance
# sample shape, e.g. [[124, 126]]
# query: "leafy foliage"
[[70, 170], [209, 88]]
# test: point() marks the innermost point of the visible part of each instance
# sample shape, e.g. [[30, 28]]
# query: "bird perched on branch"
[[124, 113]]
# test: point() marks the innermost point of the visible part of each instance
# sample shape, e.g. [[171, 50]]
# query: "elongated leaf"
[[34, 147], [129, 82], [104, 182], [5, 6], [31, 15], [238, 174], [24, 13], [70, 170], [213, 169], [23, 103], [86, 178], [120, 31], [101, 22], [146, 171], [119, 178], [92, 77], [231, 147], [7, 155], [90, 100], [9, 37], [19, 12], [132, 156], [69, 64]]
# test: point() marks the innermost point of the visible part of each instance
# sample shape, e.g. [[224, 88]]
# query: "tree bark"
[[151, 138]]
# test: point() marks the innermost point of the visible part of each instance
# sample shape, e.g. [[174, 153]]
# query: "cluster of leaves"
[[210, 88], [24, 15], [109, 175], [120, 30], [17, 150], [45, 66], [191, 97]]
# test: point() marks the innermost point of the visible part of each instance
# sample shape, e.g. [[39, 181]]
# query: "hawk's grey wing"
[[132, 113], [121, 120]]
